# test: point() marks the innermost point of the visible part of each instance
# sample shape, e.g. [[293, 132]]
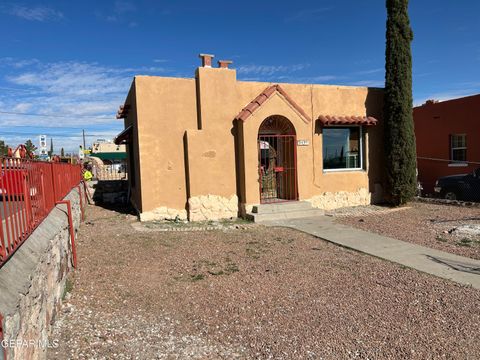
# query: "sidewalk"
[[445, 265]]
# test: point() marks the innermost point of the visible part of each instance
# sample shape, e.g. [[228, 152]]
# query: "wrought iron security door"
[[277, 163]]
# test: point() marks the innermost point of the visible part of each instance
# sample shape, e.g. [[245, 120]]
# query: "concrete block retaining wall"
[[32, 283]]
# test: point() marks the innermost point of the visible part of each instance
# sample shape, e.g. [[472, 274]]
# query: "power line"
[[48, 127], [55, 135], [65, 116], [43, 126], [18, 89]]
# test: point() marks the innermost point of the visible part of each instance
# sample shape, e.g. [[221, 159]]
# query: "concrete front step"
[[284, 215], [281, 207]]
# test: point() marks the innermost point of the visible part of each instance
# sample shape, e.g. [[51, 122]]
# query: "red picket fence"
[[29, 190]]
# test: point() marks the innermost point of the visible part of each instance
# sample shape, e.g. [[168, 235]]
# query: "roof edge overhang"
[[266, 94], [327, 120], [124, 137]]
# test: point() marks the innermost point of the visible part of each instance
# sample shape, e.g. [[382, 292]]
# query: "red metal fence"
[[29, 190]]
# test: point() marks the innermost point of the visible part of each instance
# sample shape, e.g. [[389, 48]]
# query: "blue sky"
[[73, 61]]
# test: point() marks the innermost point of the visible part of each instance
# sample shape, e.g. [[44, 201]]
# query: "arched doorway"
[[277, 160]]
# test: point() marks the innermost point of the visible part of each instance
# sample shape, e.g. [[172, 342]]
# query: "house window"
[[342, 148], [458, 148]]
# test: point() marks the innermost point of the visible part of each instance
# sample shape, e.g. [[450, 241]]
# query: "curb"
[[447, 202]]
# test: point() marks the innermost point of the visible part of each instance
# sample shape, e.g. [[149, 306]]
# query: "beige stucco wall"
[[190, 144], [211, 149], [317, 100], [166, 107]]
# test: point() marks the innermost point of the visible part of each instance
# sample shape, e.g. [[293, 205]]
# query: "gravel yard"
[[252, 292], [442, 227]]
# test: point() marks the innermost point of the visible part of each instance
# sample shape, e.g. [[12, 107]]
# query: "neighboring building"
[[447, 134], [108, 160], [107, 150], [212, 146]]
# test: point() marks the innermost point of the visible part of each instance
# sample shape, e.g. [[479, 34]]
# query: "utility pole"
[[83, 132]]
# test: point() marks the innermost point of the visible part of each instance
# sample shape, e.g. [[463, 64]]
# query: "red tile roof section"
[[264, 96], [327, 120]]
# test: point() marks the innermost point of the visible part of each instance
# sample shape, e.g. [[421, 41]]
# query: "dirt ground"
[[252, 293], [432, 225]]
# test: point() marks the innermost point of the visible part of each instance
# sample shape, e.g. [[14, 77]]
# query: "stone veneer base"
[[163, 213], [335, 200], [212, 207]]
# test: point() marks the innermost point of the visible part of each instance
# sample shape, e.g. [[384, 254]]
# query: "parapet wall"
[[32, 284]]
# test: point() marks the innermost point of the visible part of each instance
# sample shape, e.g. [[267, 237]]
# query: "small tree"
[[400, 149], [62, 152], [30, 147], [3, 148]]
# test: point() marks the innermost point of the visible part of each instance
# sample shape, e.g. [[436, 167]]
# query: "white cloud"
[[78, 81], [308, 14], [120, 9], [67, 94], [34, 13], [321, 78], [15, 63], [368, 83], [268, 70], [446, 95], [448, 91], [22, 107], [370, 71]]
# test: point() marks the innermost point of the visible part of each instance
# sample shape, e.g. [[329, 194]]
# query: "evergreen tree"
[[50, 153], [62, 152], [3, 148], [400, 152], [30, 147]]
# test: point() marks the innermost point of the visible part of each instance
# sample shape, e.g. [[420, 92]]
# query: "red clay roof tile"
[[327, 120], [264, 96]]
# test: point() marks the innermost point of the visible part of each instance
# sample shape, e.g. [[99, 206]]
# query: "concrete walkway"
[[445, 265]]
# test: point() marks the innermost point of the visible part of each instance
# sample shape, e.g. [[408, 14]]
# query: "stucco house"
[[212, 147], [446, 134]]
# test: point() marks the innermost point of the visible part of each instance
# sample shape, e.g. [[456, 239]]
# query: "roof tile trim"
[[327, 120], [264, 96]]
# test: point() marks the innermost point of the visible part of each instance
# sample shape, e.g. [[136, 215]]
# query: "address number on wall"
[[303, 142]]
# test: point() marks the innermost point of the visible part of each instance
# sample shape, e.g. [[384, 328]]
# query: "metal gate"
[[277, 167]]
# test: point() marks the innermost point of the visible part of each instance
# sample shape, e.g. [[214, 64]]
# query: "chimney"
[[206, 59], [223, 64]]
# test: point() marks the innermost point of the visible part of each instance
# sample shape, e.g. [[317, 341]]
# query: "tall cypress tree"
[[400, 151], [50, 153]]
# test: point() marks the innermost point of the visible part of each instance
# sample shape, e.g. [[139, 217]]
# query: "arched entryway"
[[277, 160]]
